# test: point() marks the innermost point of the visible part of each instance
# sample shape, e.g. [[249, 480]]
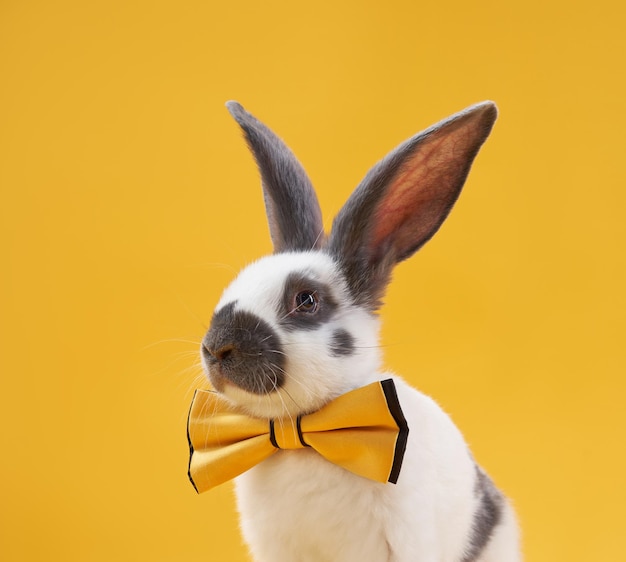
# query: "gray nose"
[[219, 353], [244, 349]]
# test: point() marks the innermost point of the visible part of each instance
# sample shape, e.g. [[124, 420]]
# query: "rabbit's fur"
[[298, 328]]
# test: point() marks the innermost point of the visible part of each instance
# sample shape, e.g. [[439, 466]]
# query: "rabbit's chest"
[[298, 502]]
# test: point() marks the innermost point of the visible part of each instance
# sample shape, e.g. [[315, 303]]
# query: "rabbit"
[[298, 328]]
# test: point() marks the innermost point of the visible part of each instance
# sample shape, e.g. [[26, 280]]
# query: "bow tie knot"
[[363, 431], [287, 434]]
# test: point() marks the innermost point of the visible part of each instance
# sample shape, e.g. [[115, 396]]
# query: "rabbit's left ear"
[[403, 200], [292, 208]]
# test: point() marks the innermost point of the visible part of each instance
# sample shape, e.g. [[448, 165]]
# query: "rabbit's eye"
[[306, 301]]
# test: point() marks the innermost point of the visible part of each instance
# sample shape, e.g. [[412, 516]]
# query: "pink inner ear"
[[416, 198], [426, 186]]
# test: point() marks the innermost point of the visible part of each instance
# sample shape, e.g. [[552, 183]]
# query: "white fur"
[[296, 506], [314, 376]]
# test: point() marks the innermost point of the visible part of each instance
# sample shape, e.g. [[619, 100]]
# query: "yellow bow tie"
[[363, 431]]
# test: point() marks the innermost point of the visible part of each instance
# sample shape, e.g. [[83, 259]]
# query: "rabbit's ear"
[[292, 208], [403, 200]]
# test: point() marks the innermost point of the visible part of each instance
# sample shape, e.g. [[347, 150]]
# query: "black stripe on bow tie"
[[298, 428], [191, 447], [389, 388]]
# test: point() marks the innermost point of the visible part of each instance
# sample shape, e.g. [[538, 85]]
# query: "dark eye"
[[306, 301]]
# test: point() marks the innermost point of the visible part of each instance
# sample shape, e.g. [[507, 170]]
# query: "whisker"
[[285, 409], [190, 311], [295, 344], [317, 239], [306, 388], [170, 340], [218, 265]]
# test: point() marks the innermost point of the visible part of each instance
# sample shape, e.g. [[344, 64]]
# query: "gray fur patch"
[[244, 349], [292, 318], [486, 517], [342, 343]]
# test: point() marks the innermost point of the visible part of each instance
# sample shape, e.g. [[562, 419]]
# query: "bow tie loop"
[[287, 434], [363, 431]]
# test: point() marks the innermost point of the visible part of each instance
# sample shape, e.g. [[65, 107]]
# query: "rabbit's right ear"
[[292, 208], [403, 200]]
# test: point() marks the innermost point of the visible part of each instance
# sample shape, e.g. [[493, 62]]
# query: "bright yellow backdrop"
[[128, 200]]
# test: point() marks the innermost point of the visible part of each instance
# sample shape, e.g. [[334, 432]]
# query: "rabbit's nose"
[[224, 352], [219, 353]]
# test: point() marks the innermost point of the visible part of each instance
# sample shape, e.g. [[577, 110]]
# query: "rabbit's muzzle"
[[243, 349]]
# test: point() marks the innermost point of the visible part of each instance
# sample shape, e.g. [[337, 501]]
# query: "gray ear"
[[403, 200], [293, 212]]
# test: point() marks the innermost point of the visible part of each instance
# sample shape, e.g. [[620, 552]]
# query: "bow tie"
[[363, 431]]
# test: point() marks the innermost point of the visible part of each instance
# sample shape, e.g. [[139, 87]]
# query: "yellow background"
[[129, 200]]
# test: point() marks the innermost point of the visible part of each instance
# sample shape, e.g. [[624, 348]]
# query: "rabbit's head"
[[298, 328]]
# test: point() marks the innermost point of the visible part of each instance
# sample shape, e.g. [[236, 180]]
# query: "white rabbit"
[[298, 328]]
